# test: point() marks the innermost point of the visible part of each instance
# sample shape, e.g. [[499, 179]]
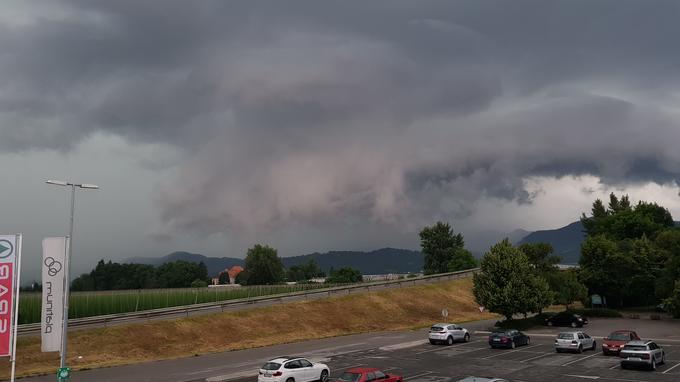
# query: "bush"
[[199, 284]]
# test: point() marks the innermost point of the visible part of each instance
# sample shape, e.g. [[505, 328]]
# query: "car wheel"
[[623, 365], [653, 365], [594, 346], [512, 344], [550, 323], [663, 358], [290, 380], [604, 352], [324, 376], [449, 341], [580, 349], [558, 350], [573, 324], [432, 342], [528, 340], [466, 338]]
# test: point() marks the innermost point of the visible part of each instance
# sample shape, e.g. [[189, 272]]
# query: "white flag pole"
[[17, 260]]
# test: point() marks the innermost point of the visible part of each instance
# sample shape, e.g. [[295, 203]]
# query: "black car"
[[566, 319], [510, 338]]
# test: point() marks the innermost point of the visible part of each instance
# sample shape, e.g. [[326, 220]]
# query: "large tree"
[[439, 245], [507, 283], [344, 275], [264, 266]]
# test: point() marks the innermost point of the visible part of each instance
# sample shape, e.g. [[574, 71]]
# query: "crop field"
[[88, 304]]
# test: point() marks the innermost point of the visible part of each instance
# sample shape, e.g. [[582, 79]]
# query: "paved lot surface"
[[408, 354], [535, 362]]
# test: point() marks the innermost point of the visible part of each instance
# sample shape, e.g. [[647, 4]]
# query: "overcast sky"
[[319, 125]]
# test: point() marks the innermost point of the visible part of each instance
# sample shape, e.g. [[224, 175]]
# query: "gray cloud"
[[394, 113]]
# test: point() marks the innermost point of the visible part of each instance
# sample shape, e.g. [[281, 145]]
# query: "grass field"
[[395, 309], [88, 304]]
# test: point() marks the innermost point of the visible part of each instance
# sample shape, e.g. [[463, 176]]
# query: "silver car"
[[642, 353], [448, 333], [574, 341]]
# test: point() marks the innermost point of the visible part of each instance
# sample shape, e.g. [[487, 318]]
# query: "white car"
[[574, 341], [448, 333], [293, 369]]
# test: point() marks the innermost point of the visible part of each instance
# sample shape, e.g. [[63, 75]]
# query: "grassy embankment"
[[397, 309]]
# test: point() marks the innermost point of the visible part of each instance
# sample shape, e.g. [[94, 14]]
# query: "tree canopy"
[[344, 275], [264, 266], [441, 248]]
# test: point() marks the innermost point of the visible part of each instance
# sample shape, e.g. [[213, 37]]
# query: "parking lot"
[[422, 362]]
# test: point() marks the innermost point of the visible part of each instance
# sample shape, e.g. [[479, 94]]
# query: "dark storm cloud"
[[394, 112]]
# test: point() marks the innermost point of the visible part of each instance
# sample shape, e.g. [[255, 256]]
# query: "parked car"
[[368, 374], [448, 333], [482, 379], [510, 338], [574, 341], [642, 353], [614, 342], [566, 319], [293, 369]]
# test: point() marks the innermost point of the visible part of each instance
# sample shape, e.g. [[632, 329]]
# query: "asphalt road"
[[408, 354]]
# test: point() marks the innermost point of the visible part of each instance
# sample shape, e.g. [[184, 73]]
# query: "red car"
[[613, 343], [368, 374]]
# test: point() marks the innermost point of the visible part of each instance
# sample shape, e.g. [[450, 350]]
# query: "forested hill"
[[381, 261], [566, 241]]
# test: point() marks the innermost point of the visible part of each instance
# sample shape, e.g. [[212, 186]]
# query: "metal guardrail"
[[222, 305]]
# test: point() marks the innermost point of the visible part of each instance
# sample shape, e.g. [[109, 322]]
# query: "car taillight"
[[278, 374]]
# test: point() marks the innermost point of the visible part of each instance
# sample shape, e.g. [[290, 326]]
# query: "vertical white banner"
[[8, 249], [54, 254]]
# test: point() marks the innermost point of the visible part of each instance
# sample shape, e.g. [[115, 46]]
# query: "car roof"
[[442, 324], [623, 331], [571, 332], [638, 343], [359, 370], [284, 358]]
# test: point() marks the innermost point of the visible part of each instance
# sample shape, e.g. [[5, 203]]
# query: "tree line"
[[115, 276]]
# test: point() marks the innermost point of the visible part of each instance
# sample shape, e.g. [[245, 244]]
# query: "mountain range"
[[566, 242]]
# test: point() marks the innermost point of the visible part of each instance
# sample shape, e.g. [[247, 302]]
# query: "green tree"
[[540, 257], [673, 301], [264, 265], [199, 284], [568, 289], [344, 275], [223, 278], [439, 245], [507, 284], [462, 259], [304, 272]]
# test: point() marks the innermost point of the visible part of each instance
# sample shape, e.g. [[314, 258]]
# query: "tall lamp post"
[[67, 263]]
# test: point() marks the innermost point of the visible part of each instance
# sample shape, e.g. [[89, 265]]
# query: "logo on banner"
[[6, 248], [53, 266]]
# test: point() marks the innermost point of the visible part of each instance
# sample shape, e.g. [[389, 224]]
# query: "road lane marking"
[[537, 357], [448, 347], [418, 375], [615, 366], [669, 369], [580, 359], [404, 345], [511, 351]]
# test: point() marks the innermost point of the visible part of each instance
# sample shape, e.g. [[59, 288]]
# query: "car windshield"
[[635, 347], [349, 377], [565, 336], [619, 336], [271, 366], [436, 328]]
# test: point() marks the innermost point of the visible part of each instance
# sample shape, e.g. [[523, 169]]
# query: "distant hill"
[[381, 261], [566, 241], [215, 265], [479, 242]]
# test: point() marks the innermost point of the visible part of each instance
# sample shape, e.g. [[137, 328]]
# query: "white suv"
[[293, 369], [448, 333]]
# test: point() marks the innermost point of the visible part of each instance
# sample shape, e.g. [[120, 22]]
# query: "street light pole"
[[67, 264]]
